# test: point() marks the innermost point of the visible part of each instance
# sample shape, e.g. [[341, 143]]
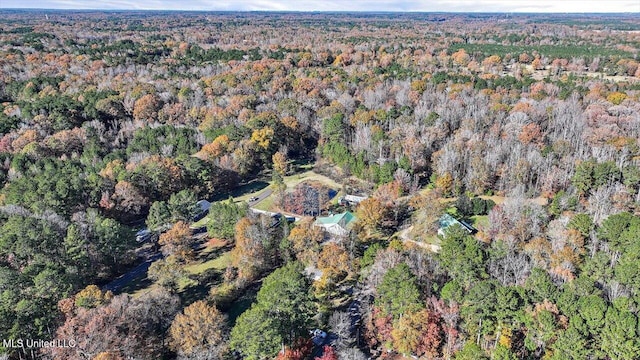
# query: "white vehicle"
[[318, 337], [143, 235], [203, 205]]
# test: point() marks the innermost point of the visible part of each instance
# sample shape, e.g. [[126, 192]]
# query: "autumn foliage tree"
[[200, 330], [123, 327], [256, 245], [335, 264], [328, 353], [370, 213], [146, 108], [177, 242], [305, 239], [418, 333]]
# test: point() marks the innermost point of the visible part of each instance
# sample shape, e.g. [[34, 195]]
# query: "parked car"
[[143, 235], [318, 336], [203, 209]]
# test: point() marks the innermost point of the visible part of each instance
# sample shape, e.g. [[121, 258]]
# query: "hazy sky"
[[340, 5]]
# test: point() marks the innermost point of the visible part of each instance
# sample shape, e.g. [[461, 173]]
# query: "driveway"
[[116, 285], [263, 195]]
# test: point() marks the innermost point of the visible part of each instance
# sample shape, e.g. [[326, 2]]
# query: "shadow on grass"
[[252, 186], [206, 281], [204, 256], [136, 284], [241, 304]]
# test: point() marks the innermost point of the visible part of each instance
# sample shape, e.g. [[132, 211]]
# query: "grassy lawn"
[[293, 180], [138, 286], [245, 191], [212, 258], [200, 223], [220, 263], [267, 204], [480, 222], [242, 304]]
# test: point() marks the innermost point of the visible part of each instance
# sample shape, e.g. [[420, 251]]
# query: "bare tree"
[[340, 325], [351, 354]]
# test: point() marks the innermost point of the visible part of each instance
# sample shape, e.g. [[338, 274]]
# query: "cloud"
[[334, 5]]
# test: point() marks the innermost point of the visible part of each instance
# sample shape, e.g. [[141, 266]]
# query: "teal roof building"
[[447, 220], [339, 224]]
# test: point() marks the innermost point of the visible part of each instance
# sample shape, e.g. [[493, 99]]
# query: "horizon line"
[[324, 11]]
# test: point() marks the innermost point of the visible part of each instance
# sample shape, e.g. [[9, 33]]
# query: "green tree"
[[256, 335], [76, 248], [183, 206], [452, 291], [571, 345], [626, 270], [582, 223], [398, 293], [282, 313], [223, 217], [471, 351], [631, 176], [620, 230], [479, 308], [606, 172], [509, 304], [620, 337], [592, 309], [464, 205], [583, 177], [167, 273], [159, 216], [501, 352], [539, 286], [462, 256]]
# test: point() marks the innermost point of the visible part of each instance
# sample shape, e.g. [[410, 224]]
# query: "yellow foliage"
[[333, 261], [505, 338], [198, 328], [108, 356], [91, 296], [616, 98], [444, 183], [407, 333], [262, 137], [419, 85], [216, 148], [112, 169], [460, 57], [280, 163]]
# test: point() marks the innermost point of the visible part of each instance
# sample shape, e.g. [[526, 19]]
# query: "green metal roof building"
[[339, 224]]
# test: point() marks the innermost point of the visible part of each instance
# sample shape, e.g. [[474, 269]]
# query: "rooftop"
[[447, 220], [344, 218]]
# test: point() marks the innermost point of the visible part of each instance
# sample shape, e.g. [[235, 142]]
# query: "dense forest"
[[523, 129]]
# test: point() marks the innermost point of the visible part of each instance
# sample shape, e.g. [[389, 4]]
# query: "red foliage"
[[301, 349], [306, 199], [378, 330], [328, 353]]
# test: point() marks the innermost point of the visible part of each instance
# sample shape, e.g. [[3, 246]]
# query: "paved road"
[[263, 195], [116, 285]]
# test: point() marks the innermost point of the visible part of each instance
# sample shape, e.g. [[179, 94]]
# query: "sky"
[[561, 6]]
